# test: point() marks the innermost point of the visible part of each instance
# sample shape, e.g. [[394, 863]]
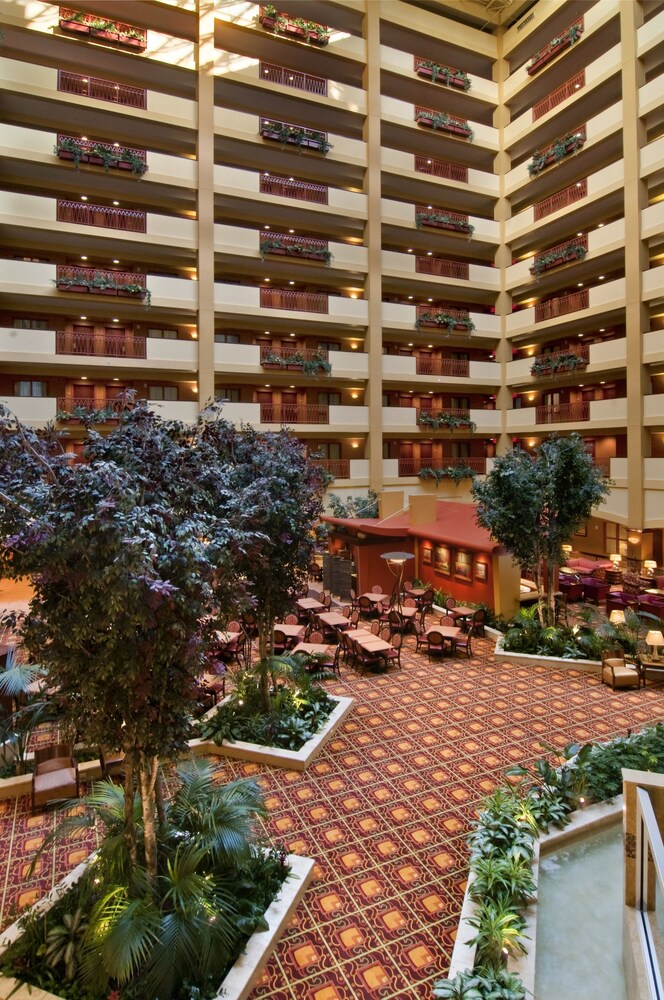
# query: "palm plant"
[[499, 932]]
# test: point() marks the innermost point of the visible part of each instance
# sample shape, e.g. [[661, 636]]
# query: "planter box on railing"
[[97, 411], [102, 30], [560, 362], [555, 47], [98, 282], [294, 135], [557, 151], [101, 90], [304, 247], [444, 419], [448, 76], [565, 253], [413, 466], [101, 154], [456, 222], [308, 361], [440, 121], [449, 319], [293, 27]]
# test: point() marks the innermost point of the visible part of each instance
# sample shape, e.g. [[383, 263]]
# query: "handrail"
[[448, 310], [86, 214], [100, 345], [286, 187], [288, 298], [411, 466], [458, 269], [337, 467], [556, 97], [87, 145], [441, 168], [295, 413], [562, 305], [451, 367], [429, 112], [557, 255], [272, 73], [67, 14], [554, 413], [561, 199], [302, 353], [90, 273], [649, 850], [293, 241], [66, 404], [101, 90], [448, 411], [579, 351]]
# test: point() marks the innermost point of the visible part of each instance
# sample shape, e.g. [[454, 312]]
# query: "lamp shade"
[[654, 639], [615, 558], [650, 564], [566, 549], [617, 617]]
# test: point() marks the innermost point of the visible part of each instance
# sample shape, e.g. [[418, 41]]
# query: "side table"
[[648, 665], [613, 576]]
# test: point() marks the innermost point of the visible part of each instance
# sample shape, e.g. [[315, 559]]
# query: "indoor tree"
[[532, 504]]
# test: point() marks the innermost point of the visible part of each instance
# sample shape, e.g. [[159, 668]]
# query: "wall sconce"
[[634, 537], [354, 444]]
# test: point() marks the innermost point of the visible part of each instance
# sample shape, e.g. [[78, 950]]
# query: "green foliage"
[[431, 218], [532, 505], [311, 365], [297, 709], [363, 506], [562, 783], [283, 20], [435, 419], [557, 151], [454, 472], [564, 361], [503, 878], [439, 119], [505, 826], [64, 941], [563, 255], [268, 245], [446, 74], [500, 932], [102, 280], [109, 156], [525, 633], [481, 984], [31, 709], [295, 135], [449, 320], [642, 751]]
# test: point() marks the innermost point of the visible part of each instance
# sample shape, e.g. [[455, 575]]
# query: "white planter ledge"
[[241, 978], [536, 660], [293, 760]]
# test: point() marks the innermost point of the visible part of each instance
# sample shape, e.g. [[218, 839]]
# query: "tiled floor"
[[384, 811]]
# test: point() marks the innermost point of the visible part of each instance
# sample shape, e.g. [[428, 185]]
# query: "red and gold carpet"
[[384, 811]]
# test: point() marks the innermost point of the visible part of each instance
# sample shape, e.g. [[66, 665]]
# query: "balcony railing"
[[285, 187], [444, 317], [72, 407], [82, 213], [293, 78], [555, 47], [564, 253], [443, 122], [101, 154], [100, 282], [439, 73], [286, 298], [443, 268], [337, 467], [561, 199], [294, 135], [451, 367], [561, 413], [568, 89], [102, 29], [304, 247], [604, 466], [291, 27], [558, 362], [100, 345], [412, 466], [557, 151], [295, 413], [441, 168], [101, 90], [456, 222], [561, 306]]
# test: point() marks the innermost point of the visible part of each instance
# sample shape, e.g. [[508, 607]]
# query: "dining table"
[[461, 612], [334, 619], [226, 638], [449, 633], [375, 598], [314, 649], [309, 604], [291, 631]]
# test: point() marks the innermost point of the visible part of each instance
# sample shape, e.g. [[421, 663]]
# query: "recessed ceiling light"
[[266, 227], [115, 319], [578, 184], [429, 345], [410, 344], [602, 383], [291, 231], [429, 208], [429, 300], [291, 334], [410, 249], [579, 284], [83, 258], [291, 386], [84, 378], [601, 225], [267, 333], [83, 317], [267, 385], [410, 298], [116, 202], [116, 261], [428, 161], [580, 335], [291, 179], [291, 282], [116, 145], [116, 379], [602, 329], [84, 138], [579, 234], [84, 197], [266, 279], [601, 277]]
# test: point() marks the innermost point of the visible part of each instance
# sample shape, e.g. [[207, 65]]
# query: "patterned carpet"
[[384, 811]]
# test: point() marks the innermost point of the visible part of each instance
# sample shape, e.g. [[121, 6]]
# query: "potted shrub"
[[551, 259], [75, 21], [442, 220], [445, 75], [447, 123]]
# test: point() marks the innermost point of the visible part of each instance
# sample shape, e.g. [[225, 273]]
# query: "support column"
[[636, 261], [205, 201], [503, 257], [373, 240]]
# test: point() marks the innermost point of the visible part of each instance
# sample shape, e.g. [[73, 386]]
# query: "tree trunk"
[[147, 776], [159, 798], [129, 832], [541, 589], [264, 644]]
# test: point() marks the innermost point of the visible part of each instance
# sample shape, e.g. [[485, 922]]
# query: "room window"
[[157, 333], [23, 323], [228, 395], [329, 399], [163, 392], [27, 388], [226, 338]]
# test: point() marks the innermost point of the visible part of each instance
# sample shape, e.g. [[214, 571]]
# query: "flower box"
[[133, 43], [79, 27], [459, 82], [451, 127], [279, 23], [71, 288], [550, 54], [103, 35]]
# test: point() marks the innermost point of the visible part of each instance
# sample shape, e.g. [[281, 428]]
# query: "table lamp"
[[567, 550], [649, 566], [617, 617], [655, 639], [615, 559]]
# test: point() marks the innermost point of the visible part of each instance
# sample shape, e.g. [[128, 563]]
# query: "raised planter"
[[460, 82], [452, 128], [293, 760], [538, 660], [241, 977]]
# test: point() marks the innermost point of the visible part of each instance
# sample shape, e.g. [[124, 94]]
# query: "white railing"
[[649, 849]]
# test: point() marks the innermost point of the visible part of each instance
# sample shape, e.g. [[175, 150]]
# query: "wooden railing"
[[100, 345], [561, 199], [337, 467], [440, 168], [452, 367], [451, 123], [66, 404], [284, 187], [87, 145], [295, 413], [84, 214], [310, 243], [448, 310], [568, 89], [444, 268], [559, 254], [113, 31], [560, 413], [412, 466], [102, 90], [286, 298], [306, 353], [554, 47], [578, 350], [604, 465], [437, 411], [67, 271], [561, 306], [456, 221], [293, 78]]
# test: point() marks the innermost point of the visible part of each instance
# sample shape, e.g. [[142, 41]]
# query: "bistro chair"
[[354, 600], [291, 620], [365, 606], [435, 643], [375, 627], [354, 619], [279, 642], [420, 637], [250, 624], [376, 589], [328, 601], [393, 655], [315, 637], [478, 622], [346, 611], [450, 603], [410, 602], [321, 597], [463, 641], [368, 658], [395, 621], [407, 585]]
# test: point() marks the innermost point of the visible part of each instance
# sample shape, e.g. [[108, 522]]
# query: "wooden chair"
[[375, 627], [393, 655], [478, 622], [291, 620], [328, 601], [435, 643], [463, 641], [367, 658], [365, 606], [354, 618], [279, 642], [617, 672], [250, 624], [420, 637], [450, 603], [55, 776], [353, 599], [316, 637], [376, 589], [112, 762], [395, 621]]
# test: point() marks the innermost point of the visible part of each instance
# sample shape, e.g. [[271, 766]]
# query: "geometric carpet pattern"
[[384, 811]]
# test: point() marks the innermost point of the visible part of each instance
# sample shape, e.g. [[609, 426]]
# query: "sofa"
[[529, 593], [584, 565]]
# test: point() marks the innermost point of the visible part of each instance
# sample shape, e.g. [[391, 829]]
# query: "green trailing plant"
[[481, 984], [447, 320], [499, 932], [571, 35], [441, 120], [563, 781], [295, 135], [442, 419], [446, 74], [557, 151], [564, 361], [431, 218], [295, 249], [103, 281], [314, 365], [282, 21], [362, 506], [108, 155], [454, 472], [570, 252]]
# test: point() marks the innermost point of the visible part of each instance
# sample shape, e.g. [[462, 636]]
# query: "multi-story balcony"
[[83, 213], [309, 418], [601, 246], [102, 90], [413, 466], [109, 155], [100, 282], [582, 306], [597, 414], [247, 359], [69, 349], [247, 303], [403, 318], [100, 345], [404, 420], [286, 77], [241, 243]]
